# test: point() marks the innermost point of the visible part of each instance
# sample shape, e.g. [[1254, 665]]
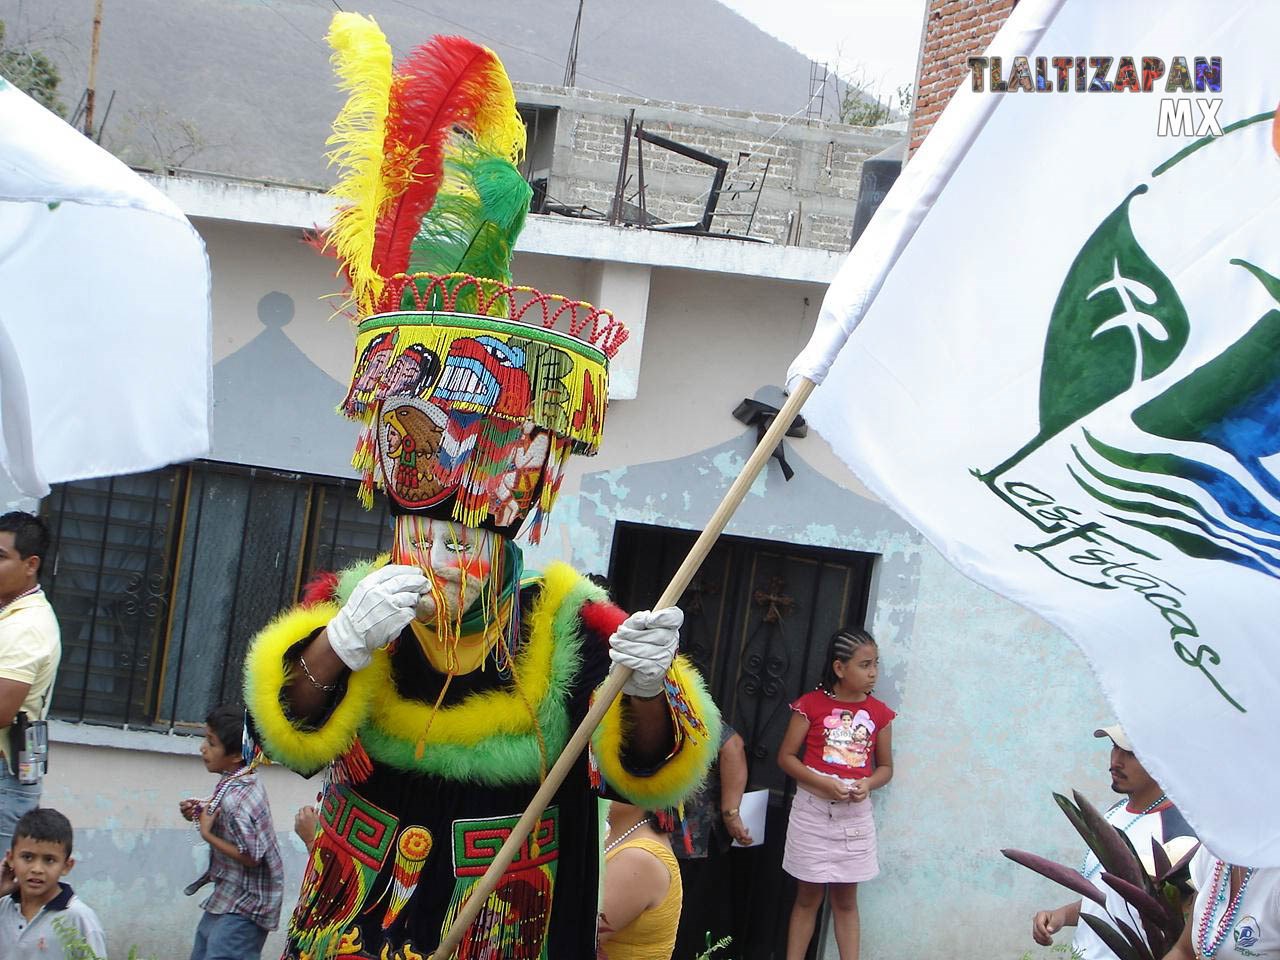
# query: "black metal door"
[[758, 616]]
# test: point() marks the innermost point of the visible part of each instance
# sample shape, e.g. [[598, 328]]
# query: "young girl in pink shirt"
[[838, 748]]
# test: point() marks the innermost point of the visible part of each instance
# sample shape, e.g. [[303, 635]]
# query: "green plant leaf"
[[1175, 898], [1117, 942], [1056, 872]]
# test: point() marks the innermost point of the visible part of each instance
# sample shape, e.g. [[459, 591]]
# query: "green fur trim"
[[504, 759], [351, 576]]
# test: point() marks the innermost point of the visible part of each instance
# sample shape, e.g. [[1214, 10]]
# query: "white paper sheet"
[[752, 810]]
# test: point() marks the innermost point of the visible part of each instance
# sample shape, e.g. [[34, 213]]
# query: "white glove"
[[380, 606], [646, 642]]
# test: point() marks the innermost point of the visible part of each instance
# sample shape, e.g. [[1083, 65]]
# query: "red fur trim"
[[602, 617], [320, 588]]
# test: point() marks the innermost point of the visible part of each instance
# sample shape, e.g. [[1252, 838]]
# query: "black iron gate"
[[758, 616], [159, 580]]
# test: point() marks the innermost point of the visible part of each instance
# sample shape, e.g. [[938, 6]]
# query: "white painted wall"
[[134, 854]]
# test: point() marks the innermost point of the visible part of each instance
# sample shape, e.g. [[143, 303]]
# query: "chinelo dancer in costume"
[[438, 685]]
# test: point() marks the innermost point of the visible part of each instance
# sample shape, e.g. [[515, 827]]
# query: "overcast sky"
[[879, 38]]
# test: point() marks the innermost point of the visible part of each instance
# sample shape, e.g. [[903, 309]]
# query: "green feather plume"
[[472, 228]]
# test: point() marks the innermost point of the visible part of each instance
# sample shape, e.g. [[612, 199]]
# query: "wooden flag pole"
[[618, 677]]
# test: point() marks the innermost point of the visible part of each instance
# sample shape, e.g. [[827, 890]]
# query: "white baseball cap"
[[1117, 735]]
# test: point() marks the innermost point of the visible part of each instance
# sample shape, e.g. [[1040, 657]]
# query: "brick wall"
[[810, 191], [954, 30]]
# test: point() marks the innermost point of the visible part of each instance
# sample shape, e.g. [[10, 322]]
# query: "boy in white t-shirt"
[[41, 918]]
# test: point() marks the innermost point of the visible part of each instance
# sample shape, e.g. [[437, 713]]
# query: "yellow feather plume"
[[499, 128], [362, 61]]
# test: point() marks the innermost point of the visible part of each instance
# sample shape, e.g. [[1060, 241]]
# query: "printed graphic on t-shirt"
[[847, 736], [1246, 935]]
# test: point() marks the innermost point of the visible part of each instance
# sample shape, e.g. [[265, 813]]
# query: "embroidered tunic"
[[406, 830]]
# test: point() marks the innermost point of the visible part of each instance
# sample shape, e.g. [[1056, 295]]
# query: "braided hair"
[[844, 644]]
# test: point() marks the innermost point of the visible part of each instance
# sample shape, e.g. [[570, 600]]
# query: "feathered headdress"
[[449, 102], [471, 397]]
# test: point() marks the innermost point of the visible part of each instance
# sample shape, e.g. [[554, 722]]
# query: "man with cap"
[[1145, 814]]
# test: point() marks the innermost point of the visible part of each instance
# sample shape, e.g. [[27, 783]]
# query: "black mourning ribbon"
[[753, 413]]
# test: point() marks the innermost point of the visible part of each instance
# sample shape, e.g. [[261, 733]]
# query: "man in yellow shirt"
[[30, 647]]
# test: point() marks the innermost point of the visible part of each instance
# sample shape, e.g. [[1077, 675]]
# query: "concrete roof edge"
[[279, 206], [582, 100]]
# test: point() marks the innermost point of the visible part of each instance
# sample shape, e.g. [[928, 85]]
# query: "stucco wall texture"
[[134, 854]]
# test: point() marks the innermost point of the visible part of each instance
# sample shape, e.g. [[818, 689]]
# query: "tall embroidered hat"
[[473, 392]]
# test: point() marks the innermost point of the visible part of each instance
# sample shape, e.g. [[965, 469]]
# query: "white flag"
[[104, 311], [1066, 370]]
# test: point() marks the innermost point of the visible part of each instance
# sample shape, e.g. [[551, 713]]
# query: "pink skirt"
[[830, 842]]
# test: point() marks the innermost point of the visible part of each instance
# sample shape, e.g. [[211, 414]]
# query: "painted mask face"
[[410, 374], [401, 373], [472, 419], [487, 373], [375, 363], [370, 367], [457, 560]]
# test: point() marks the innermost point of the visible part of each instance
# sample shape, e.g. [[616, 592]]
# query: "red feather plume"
[[447, 83]]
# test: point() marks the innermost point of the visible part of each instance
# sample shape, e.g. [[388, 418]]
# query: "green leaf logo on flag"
[[1230, 404], [1192, 465], [1117, 321]]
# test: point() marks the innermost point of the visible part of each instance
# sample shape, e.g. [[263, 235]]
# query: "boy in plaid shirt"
[[244, 858]]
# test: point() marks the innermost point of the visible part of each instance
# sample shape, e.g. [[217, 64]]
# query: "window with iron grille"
[[159, 580]]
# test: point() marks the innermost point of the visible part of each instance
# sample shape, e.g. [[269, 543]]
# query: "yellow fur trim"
[[695, 750], [482, 715], [362, 61], [265, 676]]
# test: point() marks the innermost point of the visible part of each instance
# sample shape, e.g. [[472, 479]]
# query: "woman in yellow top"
[[642, 891]]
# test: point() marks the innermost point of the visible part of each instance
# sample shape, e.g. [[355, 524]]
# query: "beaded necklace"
[[1218, 896], [1087, 871], [627, 834], [220, 790], [24, 593]]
